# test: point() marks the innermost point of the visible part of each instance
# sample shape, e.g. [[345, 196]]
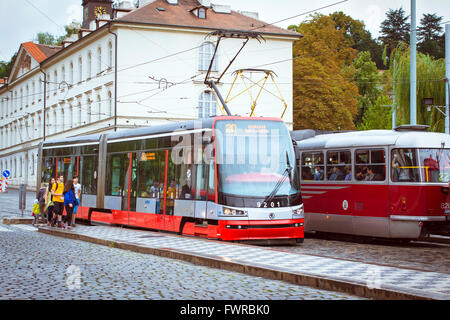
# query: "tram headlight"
[[233, 212], [298, 213]]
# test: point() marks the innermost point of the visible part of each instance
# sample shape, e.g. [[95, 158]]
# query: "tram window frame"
[[45, 176], [413, 175], [370, 164], [154, 175], [312, 167], [342, 166], [83, 182]]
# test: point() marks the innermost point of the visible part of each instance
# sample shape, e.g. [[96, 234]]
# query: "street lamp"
[[429, 102]]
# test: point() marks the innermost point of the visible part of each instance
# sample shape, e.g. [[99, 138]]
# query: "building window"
[[48, 84], [110, 54], [205, 55], [99, 108], [63, 74], [202, 13], [207, 105], [80, 69], [55, 85], [33, 92], [27, 96], [89, 65], [71, 73], [110, 101], [99, 60]]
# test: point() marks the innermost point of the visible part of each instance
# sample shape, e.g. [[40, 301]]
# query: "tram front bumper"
[[232, 230]]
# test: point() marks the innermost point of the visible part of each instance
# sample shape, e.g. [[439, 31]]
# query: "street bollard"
[[22, 197]]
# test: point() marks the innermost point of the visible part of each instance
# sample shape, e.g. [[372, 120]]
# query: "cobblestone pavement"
[[34, 265], [415, 255]]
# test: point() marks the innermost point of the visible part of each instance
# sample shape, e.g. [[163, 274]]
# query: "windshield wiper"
[[280, 181]]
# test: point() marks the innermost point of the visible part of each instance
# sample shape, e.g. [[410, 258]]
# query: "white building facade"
[[145, 66]]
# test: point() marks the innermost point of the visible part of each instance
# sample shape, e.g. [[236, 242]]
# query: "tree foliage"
[[367, 80], [325, 95], [430, 73], [357, 35], [377, 116], [5, 67], [430, 37], [394, 29], [50, 39]]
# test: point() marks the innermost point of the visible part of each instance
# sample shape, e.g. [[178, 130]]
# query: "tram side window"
[[48, 169], [312, 166], [370, 165], [117, 168], [339, 165], [151, 170], [404, 165], [89, 174], [181, 178]]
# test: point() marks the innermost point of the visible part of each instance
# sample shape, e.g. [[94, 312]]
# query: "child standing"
[[36, 212]]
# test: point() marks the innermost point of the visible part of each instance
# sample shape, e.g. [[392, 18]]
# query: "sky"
[[23, 19]]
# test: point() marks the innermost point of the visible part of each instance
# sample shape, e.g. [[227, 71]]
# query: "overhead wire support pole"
[[447, 76], [413, 71]]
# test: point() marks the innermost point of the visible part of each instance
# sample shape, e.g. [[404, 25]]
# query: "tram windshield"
[[420, 165], [255, 159]]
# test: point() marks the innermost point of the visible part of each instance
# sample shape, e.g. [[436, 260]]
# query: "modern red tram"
[[228, 178], [378, 183]]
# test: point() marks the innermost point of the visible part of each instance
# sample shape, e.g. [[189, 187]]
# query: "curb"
[[17, 221], [350, 288]]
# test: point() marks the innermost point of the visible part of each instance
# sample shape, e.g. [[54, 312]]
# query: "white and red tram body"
[[379, 183], [208, 178]]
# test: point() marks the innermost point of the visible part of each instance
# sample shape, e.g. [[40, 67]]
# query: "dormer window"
[[200, 12]]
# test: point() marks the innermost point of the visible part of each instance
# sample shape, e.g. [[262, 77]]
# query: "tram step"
[[201, 226]]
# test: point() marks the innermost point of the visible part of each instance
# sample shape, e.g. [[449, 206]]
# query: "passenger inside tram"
[[336, 174], [318, 175], [348, 173]]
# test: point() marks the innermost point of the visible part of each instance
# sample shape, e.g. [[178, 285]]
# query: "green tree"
[[376, 116], [5, 66], [46, 38], [368, 82], [360, 38], [50, 39], [429, 35], [430, 72], [394, 29], [325, 95]]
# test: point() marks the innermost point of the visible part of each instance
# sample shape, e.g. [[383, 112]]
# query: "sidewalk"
[[355, 278]]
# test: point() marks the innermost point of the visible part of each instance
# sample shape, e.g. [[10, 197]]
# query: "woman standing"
[[49, 206], [69, 200]]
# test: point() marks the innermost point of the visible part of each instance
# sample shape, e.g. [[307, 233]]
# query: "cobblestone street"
[[38, 266]]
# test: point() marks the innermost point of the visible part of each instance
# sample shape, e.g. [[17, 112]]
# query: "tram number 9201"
[[272, 204]]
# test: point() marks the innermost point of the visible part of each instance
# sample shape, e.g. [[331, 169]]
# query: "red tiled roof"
[[40, 52], [180, 15]]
